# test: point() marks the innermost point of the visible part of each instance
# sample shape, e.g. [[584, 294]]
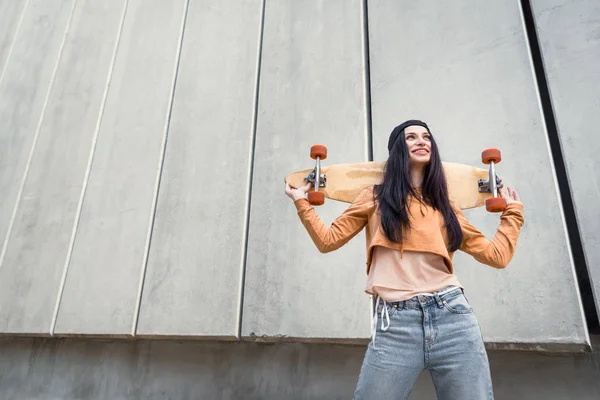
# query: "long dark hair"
[[396, 188]]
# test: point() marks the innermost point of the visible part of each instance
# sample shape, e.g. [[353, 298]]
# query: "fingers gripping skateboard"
[[318, 152], [495, 203]]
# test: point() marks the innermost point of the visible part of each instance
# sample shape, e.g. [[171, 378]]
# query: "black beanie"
[[400, 128]]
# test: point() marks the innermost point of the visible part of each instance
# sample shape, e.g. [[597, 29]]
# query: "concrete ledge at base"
[[540, 347], [86, 369], [553, 347]]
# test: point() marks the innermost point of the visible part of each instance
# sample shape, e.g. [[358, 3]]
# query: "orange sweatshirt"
[[427, 234]]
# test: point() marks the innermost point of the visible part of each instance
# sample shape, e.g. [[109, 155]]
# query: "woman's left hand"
[[297, 194], [510, 195]]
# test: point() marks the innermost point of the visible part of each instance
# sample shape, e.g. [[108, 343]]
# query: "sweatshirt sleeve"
[[499, 251], [344, 228]]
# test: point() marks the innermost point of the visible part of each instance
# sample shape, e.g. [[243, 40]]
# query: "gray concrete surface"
[[120, 191], [192, 283], [24, 85], [465, 69], [11, 13], [568, 33], [69, 369], [40, 239], [311, 91], [472, 81]]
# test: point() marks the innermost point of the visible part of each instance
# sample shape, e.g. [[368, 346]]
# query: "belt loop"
[[438, 300]]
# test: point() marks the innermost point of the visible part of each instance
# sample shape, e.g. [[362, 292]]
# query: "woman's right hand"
[[296, 194]]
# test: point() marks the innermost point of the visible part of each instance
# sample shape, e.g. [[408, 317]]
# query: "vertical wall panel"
[[40, 237], [120, 193], [311, 91], [23, 89], [192, 281], [11, 12], [465, 69], [569, 36]]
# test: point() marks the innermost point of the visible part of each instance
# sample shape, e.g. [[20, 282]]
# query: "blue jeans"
[[438, 332]]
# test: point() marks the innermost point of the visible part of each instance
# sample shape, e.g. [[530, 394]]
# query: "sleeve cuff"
[[514, 207], [302, 204], [514, 211]]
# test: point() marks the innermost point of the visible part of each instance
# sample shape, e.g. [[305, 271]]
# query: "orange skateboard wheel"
[[495, 204], [316, 198], [489, 155], [318, 150]]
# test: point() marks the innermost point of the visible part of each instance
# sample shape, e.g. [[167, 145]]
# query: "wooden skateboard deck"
[[346, 181]]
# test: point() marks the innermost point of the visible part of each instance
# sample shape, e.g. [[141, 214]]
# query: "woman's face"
[[418, 142]]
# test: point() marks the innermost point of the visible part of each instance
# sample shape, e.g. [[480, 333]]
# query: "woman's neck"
[[417, 174]]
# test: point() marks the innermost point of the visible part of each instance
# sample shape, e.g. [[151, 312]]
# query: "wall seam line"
[[159, 171], [88, 170], [250, 176]]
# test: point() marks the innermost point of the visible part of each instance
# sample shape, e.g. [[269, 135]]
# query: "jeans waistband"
[[437, 298]]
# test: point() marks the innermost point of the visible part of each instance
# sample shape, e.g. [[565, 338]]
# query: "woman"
[[412, 232]]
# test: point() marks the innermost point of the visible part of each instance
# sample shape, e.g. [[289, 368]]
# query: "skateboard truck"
[[484, 185], [494, 203], [318, 152], [311, 177]]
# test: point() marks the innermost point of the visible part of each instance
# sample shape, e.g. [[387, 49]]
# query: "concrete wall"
[[311, 91], [36, 117], [569, 39], [144, 145], [68, 369], [473, 83], [198, 234]]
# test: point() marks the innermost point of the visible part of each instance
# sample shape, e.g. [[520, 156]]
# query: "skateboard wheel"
[[318, 150], [489, 155], [495, 204], [316, 198]]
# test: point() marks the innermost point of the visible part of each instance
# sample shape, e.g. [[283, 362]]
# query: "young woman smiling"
[[412, 231]]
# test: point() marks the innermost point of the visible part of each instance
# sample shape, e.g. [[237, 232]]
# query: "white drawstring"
[[384, 313]]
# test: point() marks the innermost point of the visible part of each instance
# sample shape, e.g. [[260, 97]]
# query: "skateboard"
[[468, 186]]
